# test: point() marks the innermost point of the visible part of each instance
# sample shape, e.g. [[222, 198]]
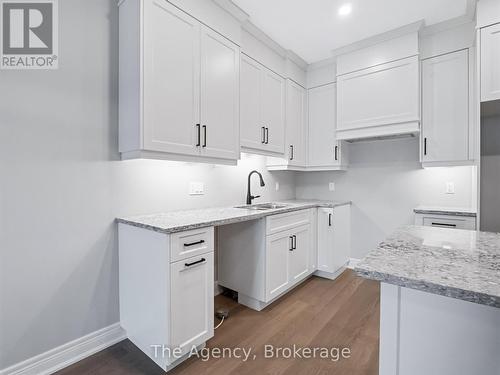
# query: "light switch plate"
[[450, 188], [331, 186], [196, 188]]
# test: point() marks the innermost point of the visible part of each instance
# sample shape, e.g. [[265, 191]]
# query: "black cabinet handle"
[[290, 248], [329, 220], [266, 132], [263, 135], [198, 144], [291, 152], [204, 136], [425, 146], [294, 241], [445, 225], [193, 263], [336, 152], [194, 243]]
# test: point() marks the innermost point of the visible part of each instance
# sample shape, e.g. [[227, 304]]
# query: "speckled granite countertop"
[[178, 221], [455, 263], [450, 211]]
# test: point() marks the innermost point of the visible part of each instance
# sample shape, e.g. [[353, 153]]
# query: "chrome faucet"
[[251, 197]]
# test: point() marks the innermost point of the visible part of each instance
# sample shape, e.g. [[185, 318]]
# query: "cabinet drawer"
[[191, 243], [281, 222], [447, 222]]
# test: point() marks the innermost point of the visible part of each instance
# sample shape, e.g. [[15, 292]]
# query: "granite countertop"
[[178, 221], [455, 263], [450, 211]]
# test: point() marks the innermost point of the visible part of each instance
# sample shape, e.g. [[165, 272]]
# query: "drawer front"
[[449, 222], [286, 221], [191, 243], [192, 301]]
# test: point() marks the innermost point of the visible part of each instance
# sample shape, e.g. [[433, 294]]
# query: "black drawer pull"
[[445, 225], [329, 220], [193, 263], [194, 243]]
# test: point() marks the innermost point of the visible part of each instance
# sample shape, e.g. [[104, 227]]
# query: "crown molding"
[[322, 63], [233, 10], [379, 38], [296, 59], [257, 33]]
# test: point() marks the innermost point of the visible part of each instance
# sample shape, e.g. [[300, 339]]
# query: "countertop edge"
[[254, 216], [444, 212], [430, 287]]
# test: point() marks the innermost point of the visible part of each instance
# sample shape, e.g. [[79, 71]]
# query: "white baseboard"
[[353, 262], [69, 353]]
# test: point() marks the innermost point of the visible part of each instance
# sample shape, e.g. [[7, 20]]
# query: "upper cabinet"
[[445, 108], [490, 62], [324, 151], [378, 90], [179, 86], [262, 103], [295, 138]]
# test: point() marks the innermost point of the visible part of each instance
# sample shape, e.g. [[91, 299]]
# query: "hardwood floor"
[[319, 313]]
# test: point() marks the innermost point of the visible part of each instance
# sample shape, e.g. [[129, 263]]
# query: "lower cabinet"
[[334, 240], [166, 291], [263, 259]]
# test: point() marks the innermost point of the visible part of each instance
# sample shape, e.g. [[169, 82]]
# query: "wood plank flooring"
[[319, 313]]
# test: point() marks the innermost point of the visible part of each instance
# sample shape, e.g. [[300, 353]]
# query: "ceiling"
[[313, 28]]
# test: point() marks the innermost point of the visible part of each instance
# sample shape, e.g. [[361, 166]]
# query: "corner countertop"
[[455, 263], [450, 211], [178, 221]]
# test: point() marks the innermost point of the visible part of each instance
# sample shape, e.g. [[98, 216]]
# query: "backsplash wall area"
[[385, 183]]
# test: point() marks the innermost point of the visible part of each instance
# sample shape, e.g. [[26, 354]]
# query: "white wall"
[[62, 185], [385, 182], [490, 174]]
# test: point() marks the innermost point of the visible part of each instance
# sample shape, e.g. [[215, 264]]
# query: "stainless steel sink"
[[262, 206]]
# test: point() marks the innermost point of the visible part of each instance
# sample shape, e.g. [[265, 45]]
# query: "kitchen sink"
[[262, 206]]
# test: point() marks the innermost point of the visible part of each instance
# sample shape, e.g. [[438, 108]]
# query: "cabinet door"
[[171, 79], [341, 237], [277, 273], [220, 97], [192, 301], [323, 149], [445, 107], [273, 111], [295, 130], [325, 240], [251, 124], [490, 63], [299, 256]]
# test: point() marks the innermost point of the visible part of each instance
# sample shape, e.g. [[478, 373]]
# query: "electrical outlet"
[[331, 186], [196, 188], [277, 186], [450, 188]]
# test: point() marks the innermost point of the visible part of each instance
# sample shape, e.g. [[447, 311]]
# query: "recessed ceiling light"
[[345, 9]]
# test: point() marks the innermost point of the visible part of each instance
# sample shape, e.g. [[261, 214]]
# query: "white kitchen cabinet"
[[380, 101], [334, 240], [324, 151], [179, 86], [166, 289], [265, 258], [445, 221], [445, 108], [490, 63], [192, 301], [277, 266], [295, 134], [299, 253], [262, 103]]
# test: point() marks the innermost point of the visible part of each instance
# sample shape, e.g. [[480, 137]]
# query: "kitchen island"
[[440, 301]]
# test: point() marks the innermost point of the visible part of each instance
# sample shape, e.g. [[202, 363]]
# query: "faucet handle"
[[255, 196]]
